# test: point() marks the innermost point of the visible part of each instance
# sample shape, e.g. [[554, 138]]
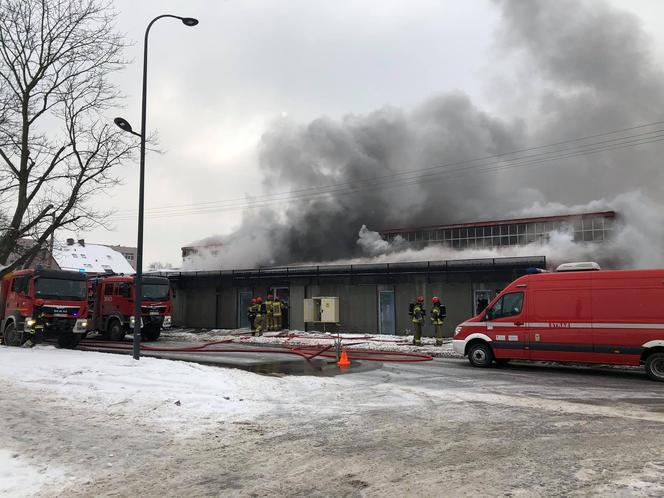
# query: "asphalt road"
[[591, 385], [438, 428]]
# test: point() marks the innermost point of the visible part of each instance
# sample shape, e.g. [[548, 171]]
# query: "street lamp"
[[124, 125]]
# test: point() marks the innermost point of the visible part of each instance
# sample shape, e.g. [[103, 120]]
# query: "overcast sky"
[[214, 89]]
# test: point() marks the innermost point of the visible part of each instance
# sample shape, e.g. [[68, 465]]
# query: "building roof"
[[541, 219], [91, 258], [202, 246], [369, 269]]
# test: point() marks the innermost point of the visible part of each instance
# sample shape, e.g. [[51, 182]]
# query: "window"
[[20, 284], [60, 288], [124, 290], [108, 289], [509, 305]]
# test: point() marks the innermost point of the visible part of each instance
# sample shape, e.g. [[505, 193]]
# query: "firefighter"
[[276, 312], [269, 310], [417, 312], [258, 319], [438, 314], [251, 315]]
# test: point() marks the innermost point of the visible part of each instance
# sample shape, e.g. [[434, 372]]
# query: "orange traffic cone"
[[343, 361]]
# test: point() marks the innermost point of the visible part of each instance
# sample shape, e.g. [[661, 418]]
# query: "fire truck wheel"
[[655, 366], [480, 354], [11, 337], [69, 340], [115, 332], [151, 333]]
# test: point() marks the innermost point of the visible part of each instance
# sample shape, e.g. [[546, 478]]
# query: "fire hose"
[[306, 352]]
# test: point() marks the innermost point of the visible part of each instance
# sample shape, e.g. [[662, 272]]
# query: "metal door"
[[482, 300], [386, 319], [243, 303]]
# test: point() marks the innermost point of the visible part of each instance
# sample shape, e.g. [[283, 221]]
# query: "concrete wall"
[[210, 302]]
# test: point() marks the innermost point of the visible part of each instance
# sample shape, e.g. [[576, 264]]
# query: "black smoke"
[[580, 68]]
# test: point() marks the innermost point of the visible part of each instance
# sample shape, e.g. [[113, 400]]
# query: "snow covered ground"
[[81, 423], [18, 478], [179, 392]]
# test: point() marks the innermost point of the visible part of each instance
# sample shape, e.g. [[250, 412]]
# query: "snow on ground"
[[180, 392], [291, 338], [18, 478]]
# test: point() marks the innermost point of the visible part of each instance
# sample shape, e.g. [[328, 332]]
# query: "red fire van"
[[577, 314]]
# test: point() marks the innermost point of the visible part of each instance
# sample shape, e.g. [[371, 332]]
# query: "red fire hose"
[[306, 352]]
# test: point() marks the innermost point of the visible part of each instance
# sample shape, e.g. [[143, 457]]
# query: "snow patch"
[[20, 479]]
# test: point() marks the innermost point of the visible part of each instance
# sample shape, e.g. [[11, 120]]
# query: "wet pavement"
[[273, 364]]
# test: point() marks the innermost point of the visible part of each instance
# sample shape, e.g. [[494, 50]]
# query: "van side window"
[[509, 305]]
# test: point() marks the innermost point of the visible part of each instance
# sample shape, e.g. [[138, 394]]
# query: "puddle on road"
[[315, 367]]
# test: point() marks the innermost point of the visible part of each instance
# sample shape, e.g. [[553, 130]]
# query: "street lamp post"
[[124, 125]]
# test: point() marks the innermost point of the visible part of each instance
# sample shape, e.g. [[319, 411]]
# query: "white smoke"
[[637, 241], [374, 245]]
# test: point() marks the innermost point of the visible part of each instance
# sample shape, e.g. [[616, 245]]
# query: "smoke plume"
[[582, 68]]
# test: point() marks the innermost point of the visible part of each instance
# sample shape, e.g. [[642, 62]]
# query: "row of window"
[[593, 229]]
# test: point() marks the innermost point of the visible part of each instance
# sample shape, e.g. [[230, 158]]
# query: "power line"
[[404, 182], [393, 180]]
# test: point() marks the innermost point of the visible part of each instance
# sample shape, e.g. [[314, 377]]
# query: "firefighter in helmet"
[[251, 315], [276, 312], [438, 314], [269, 312], [260, 313], [417, 313]]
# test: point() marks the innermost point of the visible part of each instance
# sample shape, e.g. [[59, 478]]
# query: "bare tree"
[[158, 265], [57, 149]]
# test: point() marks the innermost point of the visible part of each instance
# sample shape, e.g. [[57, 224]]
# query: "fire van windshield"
[[155, 292], [56, 288]]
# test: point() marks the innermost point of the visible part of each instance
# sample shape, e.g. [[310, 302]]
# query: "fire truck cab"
[[111, 304], [39, 304], [578, 313]]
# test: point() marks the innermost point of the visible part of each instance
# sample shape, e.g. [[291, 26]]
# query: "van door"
[[561, 322], [108, 305], [628, 312], [506, 325]]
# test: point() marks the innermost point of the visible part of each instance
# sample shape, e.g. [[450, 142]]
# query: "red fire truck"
[[111, 304], [38, 304], [577, 314]]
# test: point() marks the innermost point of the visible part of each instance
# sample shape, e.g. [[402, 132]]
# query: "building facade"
[[373, 298], [129, 253], [585, 227]]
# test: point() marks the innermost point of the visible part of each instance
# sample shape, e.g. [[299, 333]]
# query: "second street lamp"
[[125, 126]]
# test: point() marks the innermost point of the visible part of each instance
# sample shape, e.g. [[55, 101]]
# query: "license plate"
[[60, 315], [153, 313]]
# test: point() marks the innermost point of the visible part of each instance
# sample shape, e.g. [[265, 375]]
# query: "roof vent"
[[583, 266]]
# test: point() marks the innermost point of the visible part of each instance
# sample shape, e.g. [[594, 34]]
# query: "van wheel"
[[115, 332], [480, 355], [655, 366], [12, 337]]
